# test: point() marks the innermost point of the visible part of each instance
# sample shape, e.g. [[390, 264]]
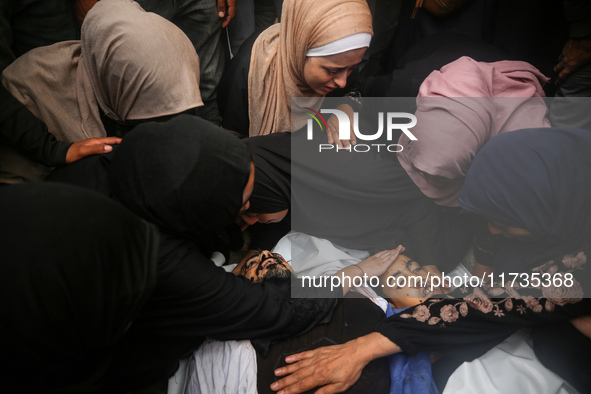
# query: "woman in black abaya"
[[268, 217], [188, 177]]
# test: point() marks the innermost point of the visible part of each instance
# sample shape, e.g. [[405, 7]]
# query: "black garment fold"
[[159, 173], [76, 269]]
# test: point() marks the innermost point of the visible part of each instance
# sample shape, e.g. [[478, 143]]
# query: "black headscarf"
[[272, 185], [185, 175], [539, 180], [75, 269]]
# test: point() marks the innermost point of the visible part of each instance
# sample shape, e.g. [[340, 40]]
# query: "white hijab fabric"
[[355, 41]]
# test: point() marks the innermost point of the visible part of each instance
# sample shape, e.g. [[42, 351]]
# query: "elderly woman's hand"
[[333, 128], [336, 368]]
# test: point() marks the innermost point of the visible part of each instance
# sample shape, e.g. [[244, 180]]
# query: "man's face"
[[266, 265], [414, 280]]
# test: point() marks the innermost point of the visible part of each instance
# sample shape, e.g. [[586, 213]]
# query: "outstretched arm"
[[470, 325], [374, 265], [30, 135]]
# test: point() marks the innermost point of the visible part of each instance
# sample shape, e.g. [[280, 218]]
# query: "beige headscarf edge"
[[60, 83], [279, 54]]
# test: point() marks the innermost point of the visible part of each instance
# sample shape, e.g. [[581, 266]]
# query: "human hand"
[[434, 271], [336, 368], [333, 128], [583, 324], [377, 264], [247, 256], [90, 146], [226, 10], [576, 53]]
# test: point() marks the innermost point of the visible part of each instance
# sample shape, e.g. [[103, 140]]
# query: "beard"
[[277, 272]]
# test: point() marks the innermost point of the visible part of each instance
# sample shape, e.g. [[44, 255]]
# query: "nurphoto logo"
[[391, 120]]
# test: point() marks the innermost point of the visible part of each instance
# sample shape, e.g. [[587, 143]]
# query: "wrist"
[[359, 269], [374, 345]]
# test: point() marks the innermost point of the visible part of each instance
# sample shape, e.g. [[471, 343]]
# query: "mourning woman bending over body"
[[267, 216], [534, 187], [309, 195], [461, 107], [190, 179]]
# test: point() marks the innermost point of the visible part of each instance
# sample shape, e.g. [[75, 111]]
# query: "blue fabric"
[[410, 374], [536, 179]]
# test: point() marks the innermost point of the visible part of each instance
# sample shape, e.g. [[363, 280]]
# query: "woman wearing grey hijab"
[[128, 67]]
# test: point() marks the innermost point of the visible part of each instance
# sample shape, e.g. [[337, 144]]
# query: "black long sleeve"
[[195, 298], [18, 126], [28, 134], [471, 325]]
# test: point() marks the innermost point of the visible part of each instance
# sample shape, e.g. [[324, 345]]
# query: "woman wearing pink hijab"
[[459, 109]]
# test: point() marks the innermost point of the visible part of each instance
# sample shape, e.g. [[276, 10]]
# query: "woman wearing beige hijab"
[[310, 53], [129, 66]]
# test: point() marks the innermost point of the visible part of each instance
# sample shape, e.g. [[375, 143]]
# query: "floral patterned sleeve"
[[481, 317]]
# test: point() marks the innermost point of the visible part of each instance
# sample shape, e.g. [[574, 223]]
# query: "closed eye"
[[412, 265], [334, 71], [394, 275]]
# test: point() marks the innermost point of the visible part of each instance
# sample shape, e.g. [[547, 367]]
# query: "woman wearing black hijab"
[[268, 212], [188, 177], [76, 269]]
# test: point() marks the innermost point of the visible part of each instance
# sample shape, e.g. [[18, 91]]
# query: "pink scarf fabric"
[[459, 109]]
